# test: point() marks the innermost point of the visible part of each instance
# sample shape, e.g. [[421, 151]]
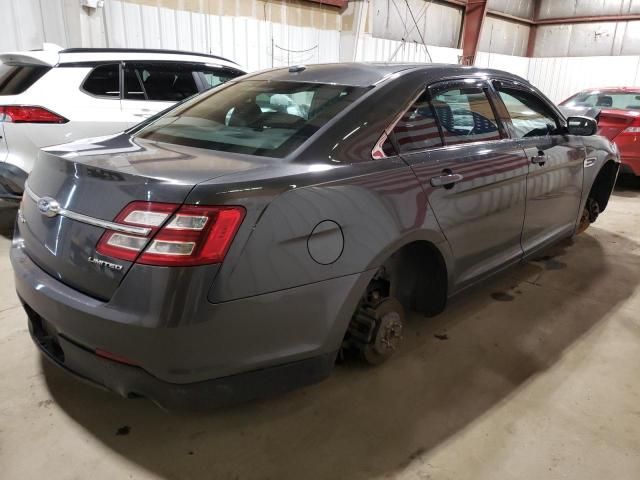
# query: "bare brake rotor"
[[589, 214], [376, 330]]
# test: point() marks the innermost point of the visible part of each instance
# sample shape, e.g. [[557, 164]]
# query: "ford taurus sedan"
[[234, 246]]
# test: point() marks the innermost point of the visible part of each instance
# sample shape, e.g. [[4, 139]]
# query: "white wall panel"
[[559, 78], [253, 43], [415, 20], [504, 36], [26, 24], [516, 65], [372, 49]]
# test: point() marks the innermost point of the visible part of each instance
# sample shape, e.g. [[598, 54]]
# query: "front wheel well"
[[603, 184]]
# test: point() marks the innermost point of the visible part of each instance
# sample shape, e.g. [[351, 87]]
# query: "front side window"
[[418, 129], [103, 81], [465, 115], [266, 118], [168, 82], [529, 115]]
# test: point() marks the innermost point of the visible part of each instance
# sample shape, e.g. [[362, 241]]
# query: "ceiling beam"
[[589, 19], [332, 3]]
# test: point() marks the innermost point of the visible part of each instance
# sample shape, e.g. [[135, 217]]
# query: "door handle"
[[539, 159], [448, 180]]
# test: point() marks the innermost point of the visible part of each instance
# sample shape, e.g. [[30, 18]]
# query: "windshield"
[[266, 118], [617, 100]]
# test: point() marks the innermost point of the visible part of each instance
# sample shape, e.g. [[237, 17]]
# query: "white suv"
[[54, 96]]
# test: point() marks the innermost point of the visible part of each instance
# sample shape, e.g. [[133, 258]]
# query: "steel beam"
[[474, 14], [332, 3], [590, 19]]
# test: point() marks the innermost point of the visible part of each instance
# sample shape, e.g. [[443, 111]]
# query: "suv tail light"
[[29, 114], [178, 235]]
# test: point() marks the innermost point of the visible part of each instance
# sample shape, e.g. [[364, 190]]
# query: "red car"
[[617, 111]]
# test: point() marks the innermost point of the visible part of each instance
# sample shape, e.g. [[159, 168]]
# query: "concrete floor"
[[536, 378]]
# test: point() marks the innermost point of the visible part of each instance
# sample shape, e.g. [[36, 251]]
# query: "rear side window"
[[465, 115], [267, 118], [212, 77], [418, 128], [103, 81], [529, 115], [168, 82], [15, 79]]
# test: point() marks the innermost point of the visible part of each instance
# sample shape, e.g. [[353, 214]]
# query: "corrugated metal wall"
[[252, 42], [258, 33], [414, 21], [561, 77], [21, 35], [588, 39], [503, 36], [517, 8]]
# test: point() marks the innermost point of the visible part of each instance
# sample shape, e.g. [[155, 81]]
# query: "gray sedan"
[[235, 245]]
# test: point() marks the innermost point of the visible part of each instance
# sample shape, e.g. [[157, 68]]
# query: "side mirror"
[[583, 126]]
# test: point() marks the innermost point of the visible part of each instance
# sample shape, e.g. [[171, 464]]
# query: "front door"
[[474, 177], [556, 162]]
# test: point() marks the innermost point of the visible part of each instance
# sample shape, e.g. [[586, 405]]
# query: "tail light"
[[178, 235], [29, 114], [631, 131]]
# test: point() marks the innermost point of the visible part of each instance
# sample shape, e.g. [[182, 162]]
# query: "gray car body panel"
[[319, 223]]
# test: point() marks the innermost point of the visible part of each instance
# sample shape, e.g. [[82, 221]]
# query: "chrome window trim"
[[96, 222]]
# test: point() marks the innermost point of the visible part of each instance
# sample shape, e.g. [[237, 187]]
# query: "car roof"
[[52, 55], [364, 74], [611, 90]]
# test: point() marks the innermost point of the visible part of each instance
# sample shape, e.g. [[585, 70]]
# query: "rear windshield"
[[617, 100], [265, 118], [15, 79]]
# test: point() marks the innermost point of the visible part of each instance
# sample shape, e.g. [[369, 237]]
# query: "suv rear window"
[[168, 82], [104, 81], [254, 116], [15, 79]]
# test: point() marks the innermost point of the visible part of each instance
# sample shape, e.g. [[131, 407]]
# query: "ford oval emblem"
[[48, 206]]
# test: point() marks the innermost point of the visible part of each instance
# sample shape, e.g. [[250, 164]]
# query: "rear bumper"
[[130, 381], [630, 165], [244, 349]]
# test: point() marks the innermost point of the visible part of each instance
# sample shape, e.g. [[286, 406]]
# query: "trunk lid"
[[613, 122], [98, 178]]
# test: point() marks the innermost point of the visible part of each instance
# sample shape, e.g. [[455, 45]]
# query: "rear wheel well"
[[603, 184], [418, 277]]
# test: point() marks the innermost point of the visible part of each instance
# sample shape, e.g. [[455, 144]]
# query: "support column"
[[473, 18], [533, 31]]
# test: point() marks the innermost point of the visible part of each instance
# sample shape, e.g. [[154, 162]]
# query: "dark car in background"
[[617, 111], [232, 247]]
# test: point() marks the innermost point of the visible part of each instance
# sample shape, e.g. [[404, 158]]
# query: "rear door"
[[98, 111], [473, 174], [556, 163], [150, 87]]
